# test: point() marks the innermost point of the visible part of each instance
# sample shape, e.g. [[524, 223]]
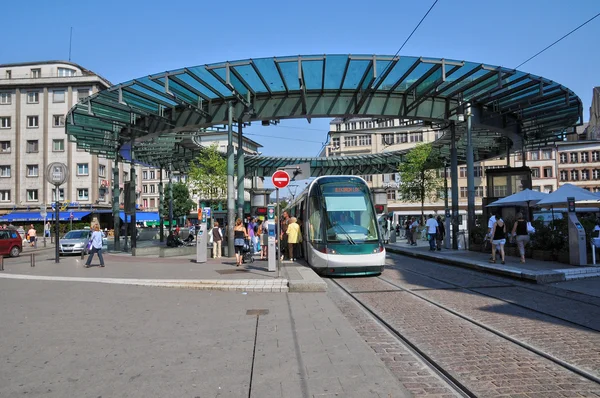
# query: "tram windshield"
[[350, 216]]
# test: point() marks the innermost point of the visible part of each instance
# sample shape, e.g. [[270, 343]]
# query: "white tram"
[[340, 235]]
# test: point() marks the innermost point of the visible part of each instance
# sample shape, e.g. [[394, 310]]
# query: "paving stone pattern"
[[414, 375], [488, 365]]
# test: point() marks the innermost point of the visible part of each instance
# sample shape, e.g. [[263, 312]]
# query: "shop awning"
[[142, 216], [35, 216]]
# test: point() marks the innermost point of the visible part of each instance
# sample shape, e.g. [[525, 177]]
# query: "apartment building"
[[34, 99]]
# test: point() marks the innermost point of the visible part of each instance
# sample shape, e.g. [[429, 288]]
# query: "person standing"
[[239, 234], [441, 233], [491, 223], [498, 238], [32, 235], [251, 232], [264, 244], [432, 228], [520, 231], [285, 218], [47, 229], [293, 233], [217, 236], [414, 226], [96, 240]]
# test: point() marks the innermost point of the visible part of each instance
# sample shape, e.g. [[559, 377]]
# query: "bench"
[[31, 260]]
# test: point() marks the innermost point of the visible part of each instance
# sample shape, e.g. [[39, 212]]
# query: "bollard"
[[32, 262], [1, 263]]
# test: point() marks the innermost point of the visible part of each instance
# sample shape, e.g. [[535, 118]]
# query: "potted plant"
[[542, 241]]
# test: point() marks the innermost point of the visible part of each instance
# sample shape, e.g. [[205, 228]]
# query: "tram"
[[340, 234]]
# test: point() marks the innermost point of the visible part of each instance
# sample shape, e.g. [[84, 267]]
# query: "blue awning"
[[33, 216], [141, 216]]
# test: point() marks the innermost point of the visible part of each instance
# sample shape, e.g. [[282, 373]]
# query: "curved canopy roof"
[[162, 115]]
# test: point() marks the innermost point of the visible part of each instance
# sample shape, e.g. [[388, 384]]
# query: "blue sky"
[[122, 40]]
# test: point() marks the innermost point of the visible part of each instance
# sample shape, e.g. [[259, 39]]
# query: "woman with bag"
[[293, 232], [239, 234], [96, 241], [520, 231], [498, 238]]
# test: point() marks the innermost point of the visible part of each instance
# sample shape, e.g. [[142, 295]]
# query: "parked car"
[[76, 241], [11, 243]]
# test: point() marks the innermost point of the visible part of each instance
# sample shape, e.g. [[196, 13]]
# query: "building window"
[[5, 122], [58, 145], [82, 194], [5, 146], [596, 174], [585, 175], [364, 140], [536, 188], [535, 172], [547, 154], [58, 121], [585, 157], [518, 156], [8, 74], [564, 176], [463, 172], [144, 188], [152, 175], [534, 155], [563, 158], [338, 127], [65, 72], [33, 121], [479, 192], [36, 73], [595, 156], [401, 138], [391, 195], [387, 139], [145, 203], [574, 175], [152, 202], [58, 96], [5, 98], [416, 137], [82, 94], [32, 146], [350, 141], [125, 176], [499, 191], [547, 172], [32, 195], [61, 194], [144, 175], [478, 171], [336, 142], [152, 188], [573, 157], [368, 178], [32, 170], [82, 169], [548, 188], [102, 170], [5, 195], [4, 171], [33, 97], [463, 192]]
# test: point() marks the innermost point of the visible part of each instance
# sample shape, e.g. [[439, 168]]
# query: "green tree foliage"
[[418, 175], [182, 204], [208, 176]]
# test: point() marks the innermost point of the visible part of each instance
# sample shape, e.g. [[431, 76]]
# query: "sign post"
[[57, 174], [280, 179]]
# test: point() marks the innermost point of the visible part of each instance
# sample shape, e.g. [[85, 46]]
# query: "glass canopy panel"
[[465, 82], [247, 73], [355, 72], [152, 96], [234, 81], [334, 70], [481, 88], [289, 70], [415, 75], [401, 67], [268, 70], [210, 80], [313, 74], [431, 81], [138, 102], [186, 78], [180, 91], [529, 93]]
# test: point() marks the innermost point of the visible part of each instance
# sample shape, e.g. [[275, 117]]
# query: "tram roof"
[[163, 116]]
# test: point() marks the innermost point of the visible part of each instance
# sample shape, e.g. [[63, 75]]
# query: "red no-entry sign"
[[280, 179]]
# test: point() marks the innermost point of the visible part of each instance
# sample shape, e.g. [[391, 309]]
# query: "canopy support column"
[[133, 198], [230, 190], [115, 202], [470, 176], [170, 188], [240, 173], [161, 207], [454, 175]]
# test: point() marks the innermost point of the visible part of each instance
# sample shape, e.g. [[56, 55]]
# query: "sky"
[[123, 40]]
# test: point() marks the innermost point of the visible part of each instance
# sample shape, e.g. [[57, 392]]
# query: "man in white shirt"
[[491, 223], [432, 227]]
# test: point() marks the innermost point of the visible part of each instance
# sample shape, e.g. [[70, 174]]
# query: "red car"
[[11, 243]]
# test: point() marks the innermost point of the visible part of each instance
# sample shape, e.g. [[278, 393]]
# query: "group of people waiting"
[[435, 232]]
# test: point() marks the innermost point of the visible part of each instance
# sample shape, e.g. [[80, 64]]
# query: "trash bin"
[[393, 237]]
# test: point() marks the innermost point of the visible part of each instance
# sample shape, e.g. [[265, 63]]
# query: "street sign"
[[280, 179], [71, 215], [207, 211]]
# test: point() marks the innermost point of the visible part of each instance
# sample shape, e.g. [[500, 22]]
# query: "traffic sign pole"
[[278, 232]]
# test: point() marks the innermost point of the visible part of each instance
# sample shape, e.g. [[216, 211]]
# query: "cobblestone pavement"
[[487, 364]]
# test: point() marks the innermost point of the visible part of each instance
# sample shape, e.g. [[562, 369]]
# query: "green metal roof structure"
[[164, 115]]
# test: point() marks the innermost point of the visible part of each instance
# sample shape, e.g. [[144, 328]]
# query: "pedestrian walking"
[[47, 229], [490, 236], [441, 233], [217, 236], [432, 227], [96, 241], [32, 235], [498, 238], [239, 234], [521, 234]]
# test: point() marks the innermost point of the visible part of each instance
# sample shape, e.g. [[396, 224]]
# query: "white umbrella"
[[524, 198], [559, 197]]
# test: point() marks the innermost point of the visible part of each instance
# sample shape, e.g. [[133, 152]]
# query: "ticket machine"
[[202, 237], [272, 256], [577, 243]]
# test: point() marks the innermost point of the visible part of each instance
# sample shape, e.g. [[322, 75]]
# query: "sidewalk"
[[533, 270], [183, 271]]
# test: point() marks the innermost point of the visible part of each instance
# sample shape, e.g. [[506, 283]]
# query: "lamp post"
[[57, 174]]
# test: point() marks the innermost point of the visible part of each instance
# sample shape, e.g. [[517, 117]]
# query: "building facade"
[[34, 99]]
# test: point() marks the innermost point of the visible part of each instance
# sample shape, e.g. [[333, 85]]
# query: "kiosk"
[[577, 244]]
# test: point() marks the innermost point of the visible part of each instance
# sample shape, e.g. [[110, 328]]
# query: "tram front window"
[[350, 217]]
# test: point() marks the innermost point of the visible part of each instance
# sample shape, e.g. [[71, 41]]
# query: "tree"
[[208, 176], [182, 204], [418, 175]]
